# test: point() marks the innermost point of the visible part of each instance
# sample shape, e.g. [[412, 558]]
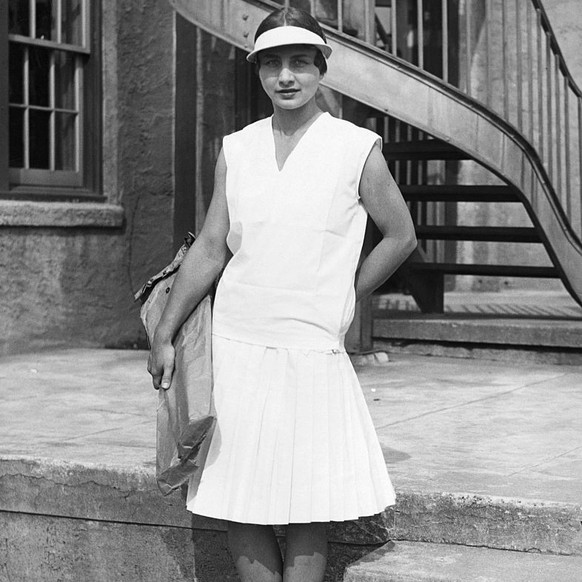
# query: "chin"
[[289, 106]]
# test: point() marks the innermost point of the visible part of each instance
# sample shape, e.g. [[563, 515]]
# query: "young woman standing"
[[294, 442]]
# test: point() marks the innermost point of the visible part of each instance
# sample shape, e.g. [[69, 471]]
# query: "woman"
[[294, 442]]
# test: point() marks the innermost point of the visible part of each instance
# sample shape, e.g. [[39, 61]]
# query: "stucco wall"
[[73, 285], [566, 20]]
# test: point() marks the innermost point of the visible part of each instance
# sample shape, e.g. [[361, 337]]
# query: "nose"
[[285, 76]]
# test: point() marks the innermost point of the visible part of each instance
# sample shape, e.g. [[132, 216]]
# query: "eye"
[[271, 62], [300, 62]]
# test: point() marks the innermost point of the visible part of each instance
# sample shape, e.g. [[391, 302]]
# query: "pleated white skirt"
[[294, 440]]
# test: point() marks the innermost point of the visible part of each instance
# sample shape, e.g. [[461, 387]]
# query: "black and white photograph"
[[290, 291]]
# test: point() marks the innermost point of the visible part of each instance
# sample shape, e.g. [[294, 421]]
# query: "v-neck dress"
[[294, 441]]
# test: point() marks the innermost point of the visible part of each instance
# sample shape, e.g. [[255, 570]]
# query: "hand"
[[161, 364]]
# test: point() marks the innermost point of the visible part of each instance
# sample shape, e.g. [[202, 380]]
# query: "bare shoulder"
[[376, 177]]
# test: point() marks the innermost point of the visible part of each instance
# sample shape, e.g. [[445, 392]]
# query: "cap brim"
[[285, 36]]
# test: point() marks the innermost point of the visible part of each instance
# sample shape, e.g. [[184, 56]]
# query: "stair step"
[[458, 193], [479, 233], [419, 562], [528, 330], [426, 149], [487, 270]]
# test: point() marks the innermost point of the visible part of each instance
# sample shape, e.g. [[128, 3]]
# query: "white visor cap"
[[287, 35]]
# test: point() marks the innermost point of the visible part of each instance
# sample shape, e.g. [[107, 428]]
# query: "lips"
[[287, 91]]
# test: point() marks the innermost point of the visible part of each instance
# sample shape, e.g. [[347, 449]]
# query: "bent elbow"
[[411, 242]]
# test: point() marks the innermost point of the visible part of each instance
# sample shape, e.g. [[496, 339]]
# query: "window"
[[52, 101]]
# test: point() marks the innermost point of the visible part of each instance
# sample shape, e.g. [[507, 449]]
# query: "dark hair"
[[294, 17]]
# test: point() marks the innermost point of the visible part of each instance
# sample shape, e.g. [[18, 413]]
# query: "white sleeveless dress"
[[294, 441]]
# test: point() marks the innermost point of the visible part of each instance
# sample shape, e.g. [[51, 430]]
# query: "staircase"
[[433, 210], [513, 136], [523, 129]]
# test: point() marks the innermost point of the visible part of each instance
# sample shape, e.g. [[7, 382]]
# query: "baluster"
[[505, 60], [488, 52], [518, 52], [393, 30], [340, 15], [550, 107], [541, 131], [580, 150], [420, 32], [369, 20], [530, 70], [567, 169], [558, 126], [468, 39], [445, 35]]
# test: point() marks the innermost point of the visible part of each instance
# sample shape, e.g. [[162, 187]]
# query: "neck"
[[289, 121]]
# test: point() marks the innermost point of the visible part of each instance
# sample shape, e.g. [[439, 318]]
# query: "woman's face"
[[289, 75]]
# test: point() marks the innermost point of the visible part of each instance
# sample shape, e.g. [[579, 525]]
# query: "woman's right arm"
[[199, 269]]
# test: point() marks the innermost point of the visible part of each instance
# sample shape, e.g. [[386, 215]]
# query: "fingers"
[[161, 374], [167, 376], [161, 364]]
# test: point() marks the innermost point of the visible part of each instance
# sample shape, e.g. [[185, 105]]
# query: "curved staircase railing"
[[526, 127]]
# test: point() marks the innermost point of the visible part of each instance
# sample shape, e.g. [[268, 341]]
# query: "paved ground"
[[445, 424]]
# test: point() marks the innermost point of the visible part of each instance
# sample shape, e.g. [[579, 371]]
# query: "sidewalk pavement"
[[445, 425]]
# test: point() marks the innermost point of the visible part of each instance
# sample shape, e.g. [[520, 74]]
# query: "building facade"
[[112, 117]]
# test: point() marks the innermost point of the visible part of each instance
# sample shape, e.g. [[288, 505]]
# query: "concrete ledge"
[[130, 495], [418, 562], [510, 354], [60, 214], [51, 549], [65, 522], [495, 522], [496, 331]]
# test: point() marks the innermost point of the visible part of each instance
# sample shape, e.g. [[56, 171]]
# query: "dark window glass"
[[16, 137], [64, 80], [65, 141], [18, 17], [38, 67], [44, 20], [16, 69], [39, 122], [72, 22]]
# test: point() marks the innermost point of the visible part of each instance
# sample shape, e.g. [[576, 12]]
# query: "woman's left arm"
[[384, 203]]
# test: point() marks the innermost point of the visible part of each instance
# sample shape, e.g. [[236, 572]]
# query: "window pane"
[[16, 137], [64, 80], [72, 25], [39, 62], [16, 69], [45, 22], [65, 141], [39, 139], [18, 17]]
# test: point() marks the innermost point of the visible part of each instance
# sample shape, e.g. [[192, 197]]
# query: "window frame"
[[41, 184]]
